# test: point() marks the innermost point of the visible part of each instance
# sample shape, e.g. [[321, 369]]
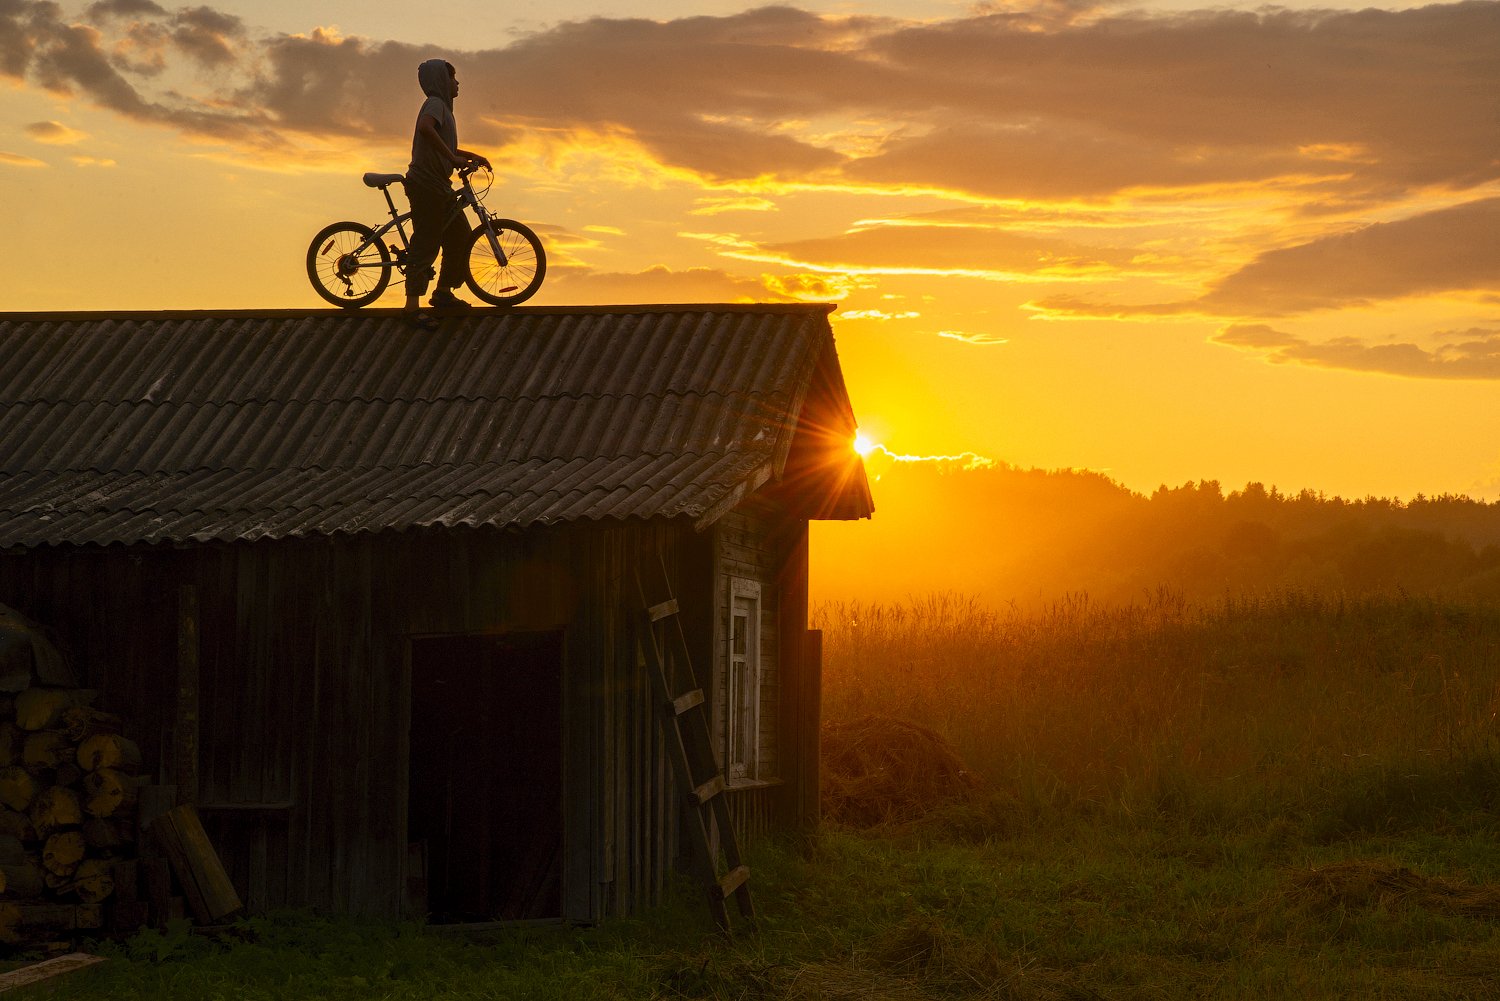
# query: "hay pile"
[[879, 770], [1387, 886]]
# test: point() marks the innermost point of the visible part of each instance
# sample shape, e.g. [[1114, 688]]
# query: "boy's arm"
[[428, 131]]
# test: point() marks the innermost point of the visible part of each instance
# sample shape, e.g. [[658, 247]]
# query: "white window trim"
[[744, 764]]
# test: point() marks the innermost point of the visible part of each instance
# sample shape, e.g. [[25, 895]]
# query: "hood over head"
[[434, 76]]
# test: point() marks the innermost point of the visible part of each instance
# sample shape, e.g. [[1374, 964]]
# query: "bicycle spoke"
[[348, 265], [524, 263]]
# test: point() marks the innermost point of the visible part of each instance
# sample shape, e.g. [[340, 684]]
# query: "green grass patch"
[[1089, 912]]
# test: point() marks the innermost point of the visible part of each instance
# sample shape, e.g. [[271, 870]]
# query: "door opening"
[[485, 787]]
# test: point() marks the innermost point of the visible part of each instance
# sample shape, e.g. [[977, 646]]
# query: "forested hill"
[[1029, 536]]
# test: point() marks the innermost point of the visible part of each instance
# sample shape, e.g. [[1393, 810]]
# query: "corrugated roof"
[[153, 427]]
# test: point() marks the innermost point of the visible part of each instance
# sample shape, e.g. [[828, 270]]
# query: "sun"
[[864, 444]]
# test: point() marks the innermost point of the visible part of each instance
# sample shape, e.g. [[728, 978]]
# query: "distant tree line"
[[1259, 539], [1032, 535]]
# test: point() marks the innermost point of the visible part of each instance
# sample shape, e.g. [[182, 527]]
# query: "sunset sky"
[[1167, 243]]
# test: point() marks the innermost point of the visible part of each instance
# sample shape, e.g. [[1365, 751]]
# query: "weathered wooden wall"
[[801, 691], [745, 549], [305, 690], [760, 542]]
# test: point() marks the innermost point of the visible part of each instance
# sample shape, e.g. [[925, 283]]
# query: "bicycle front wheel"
[[512, 277], [347, 265]]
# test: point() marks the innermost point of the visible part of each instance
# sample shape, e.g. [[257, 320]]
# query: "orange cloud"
[[878, 314], [54, 133], [983, 340], [657, 284], [1449, 250], [816, 288], [980, 251], [1077, 140], [1124, 102], [1006, 105], [878, 459], [1441, 252], [717, 206], [110, 60], [1467, 354]]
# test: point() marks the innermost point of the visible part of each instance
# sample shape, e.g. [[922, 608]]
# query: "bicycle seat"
[[382, 180]]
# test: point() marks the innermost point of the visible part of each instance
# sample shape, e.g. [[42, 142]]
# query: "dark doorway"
[[485, 802]]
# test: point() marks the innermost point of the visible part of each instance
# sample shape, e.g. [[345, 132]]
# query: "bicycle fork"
[[487, 221]]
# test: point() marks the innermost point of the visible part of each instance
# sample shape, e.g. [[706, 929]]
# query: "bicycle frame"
[[466, 198], [397, 218]]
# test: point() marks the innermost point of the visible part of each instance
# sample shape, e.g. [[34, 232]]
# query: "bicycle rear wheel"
[[347, 265], [518, 276]]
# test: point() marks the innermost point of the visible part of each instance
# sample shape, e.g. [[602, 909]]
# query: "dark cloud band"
[[1469, 354], [1372, 101]]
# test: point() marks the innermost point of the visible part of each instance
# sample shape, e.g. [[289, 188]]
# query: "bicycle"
[[350, 264]]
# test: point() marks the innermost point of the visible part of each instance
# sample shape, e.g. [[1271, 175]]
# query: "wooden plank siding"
[[305, 651], [756, 542], [744, 552], [801, 690]]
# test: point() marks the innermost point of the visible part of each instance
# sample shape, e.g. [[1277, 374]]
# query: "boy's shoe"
[[445, 299]]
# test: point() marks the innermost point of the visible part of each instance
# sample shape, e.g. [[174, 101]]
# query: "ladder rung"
[[733, 880], [709, 790], [690, 700], [666, 608]]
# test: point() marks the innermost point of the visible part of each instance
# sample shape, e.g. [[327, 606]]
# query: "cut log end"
[[46, 749], [41, 708], [107, 792], [109, 750], [93, 881], [17, 788], [55, 808], [62, 852]]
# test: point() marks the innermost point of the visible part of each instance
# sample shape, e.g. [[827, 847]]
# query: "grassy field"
[[1288, 798], [1332, 717]]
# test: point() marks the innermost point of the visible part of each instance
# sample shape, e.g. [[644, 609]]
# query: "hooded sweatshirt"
[[429, 168]]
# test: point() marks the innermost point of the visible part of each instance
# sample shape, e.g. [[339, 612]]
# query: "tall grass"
[[1351, 714]]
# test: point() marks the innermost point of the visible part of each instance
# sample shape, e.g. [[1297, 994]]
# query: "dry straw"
[[880, 770], [1363, 884]]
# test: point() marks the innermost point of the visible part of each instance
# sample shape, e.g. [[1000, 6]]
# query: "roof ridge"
[[298, 313], [385, 467], [282, 401]]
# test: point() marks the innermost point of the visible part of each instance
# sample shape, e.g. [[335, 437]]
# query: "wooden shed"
[[368, 595]]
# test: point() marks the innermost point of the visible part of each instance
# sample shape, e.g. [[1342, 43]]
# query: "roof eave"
[[737, 493]]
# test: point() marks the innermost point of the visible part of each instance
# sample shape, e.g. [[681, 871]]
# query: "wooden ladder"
[[685, 721]]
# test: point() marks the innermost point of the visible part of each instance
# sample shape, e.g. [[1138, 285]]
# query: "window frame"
[[742, 676]]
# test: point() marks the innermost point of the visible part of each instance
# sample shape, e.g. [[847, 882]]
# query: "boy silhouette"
[[437, 221]]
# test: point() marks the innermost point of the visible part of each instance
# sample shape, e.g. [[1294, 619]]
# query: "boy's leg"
[[428, 214], [455, 242]]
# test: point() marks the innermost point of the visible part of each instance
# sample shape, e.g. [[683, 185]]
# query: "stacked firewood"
[[68, 788]]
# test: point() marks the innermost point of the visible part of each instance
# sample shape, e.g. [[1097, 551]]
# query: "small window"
[[742, 711]]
